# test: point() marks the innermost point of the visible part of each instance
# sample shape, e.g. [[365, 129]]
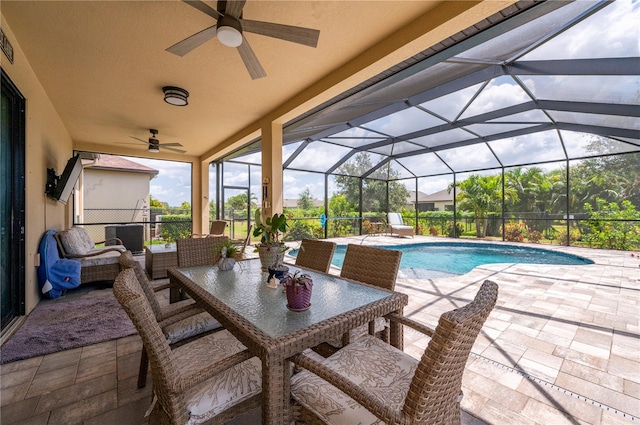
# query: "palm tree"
[[482, 195]]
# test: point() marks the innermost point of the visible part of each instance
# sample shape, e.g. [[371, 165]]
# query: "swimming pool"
[[443, 259]]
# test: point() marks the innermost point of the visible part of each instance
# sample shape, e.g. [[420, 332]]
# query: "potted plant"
[[228, 252], [271, 248], [298, 288]]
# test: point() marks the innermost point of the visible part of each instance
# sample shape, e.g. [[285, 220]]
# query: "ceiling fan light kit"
[[175, 95], [229, 31]]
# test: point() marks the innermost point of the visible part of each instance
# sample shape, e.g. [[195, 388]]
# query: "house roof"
[[116, 163], [293, 203], [439, 196]]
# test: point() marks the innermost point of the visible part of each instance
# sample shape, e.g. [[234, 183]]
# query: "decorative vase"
[[278, 272], [298, 297], [226, 263], [270, 255]]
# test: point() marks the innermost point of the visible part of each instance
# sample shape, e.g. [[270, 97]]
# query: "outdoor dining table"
[[257, 315]]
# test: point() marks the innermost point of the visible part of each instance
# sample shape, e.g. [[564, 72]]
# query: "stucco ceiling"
[[103, 64]]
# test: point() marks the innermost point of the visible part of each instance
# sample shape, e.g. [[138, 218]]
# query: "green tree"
[[613, 178], [374, 191], [305, 200], [239, 201], [533, 192], [481, 195], [154, 203]]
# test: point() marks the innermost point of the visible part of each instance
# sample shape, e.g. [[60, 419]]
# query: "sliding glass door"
[[12, 202]]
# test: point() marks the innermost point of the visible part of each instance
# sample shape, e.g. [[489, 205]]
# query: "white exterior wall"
[[113, 196]]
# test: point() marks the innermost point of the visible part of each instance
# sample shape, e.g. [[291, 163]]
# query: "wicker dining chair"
[[316, 255], [194, 252], [373, 266], [180, 322], [212, 379], [370, 381]]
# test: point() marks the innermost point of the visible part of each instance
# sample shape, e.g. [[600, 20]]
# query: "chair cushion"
[[223, 390], [394, 219], [372, 364], [354, 334], [191, 326]]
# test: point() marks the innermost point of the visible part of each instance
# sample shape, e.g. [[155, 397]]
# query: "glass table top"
[[244, 290]]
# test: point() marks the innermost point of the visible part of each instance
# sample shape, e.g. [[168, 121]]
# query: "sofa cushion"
[[73, 242], [110, 257], [84, 236]]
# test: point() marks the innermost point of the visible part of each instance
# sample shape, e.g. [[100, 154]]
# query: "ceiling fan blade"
[[250, 60], [188, 44], [143, 141], [307, 36], [204, 8], [171, 144], [234, 8], [173, 149]]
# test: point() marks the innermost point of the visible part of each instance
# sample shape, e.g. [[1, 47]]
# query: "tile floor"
[[562, 346]]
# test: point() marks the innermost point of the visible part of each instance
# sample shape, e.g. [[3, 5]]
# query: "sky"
[[173, 182]]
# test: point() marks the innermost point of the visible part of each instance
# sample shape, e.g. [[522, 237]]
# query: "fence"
[[158, 226]]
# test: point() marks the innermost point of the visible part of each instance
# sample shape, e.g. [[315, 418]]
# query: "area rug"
[[57, 326]]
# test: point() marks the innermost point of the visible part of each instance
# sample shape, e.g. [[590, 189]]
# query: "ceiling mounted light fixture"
[[175, 96], [229, 31]]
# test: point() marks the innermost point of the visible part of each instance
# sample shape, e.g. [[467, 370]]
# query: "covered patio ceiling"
[[538, 87]]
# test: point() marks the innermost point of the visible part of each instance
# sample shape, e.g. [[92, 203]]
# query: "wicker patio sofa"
[[97, 264]]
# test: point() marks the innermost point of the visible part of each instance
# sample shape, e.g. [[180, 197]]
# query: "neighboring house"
[[113, 189], [438, 201], [293, 203]]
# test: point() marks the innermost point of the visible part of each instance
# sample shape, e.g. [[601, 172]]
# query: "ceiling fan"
[[229, 28], [154, 144]]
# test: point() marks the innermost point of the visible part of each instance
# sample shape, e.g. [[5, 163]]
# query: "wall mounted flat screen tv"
[[60, 187]]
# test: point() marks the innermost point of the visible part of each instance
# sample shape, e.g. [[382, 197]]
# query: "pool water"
[[443, 259]]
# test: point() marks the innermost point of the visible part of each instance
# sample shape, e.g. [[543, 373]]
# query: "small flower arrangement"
[[297, 279]]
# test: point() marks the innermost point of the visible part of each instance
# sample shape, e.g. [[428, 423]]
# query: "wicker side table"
[[158, 259]]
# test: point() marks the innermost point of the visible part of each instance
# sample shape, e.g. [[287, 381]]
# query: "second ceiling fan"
[[229, 28], [153, 144]]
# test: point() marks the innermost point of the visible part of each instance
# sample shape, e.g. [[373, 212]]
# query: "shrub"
[[535, 236], [574, 235], [367, 227], [298, 231], [175, 227], [459, 230], [433, 231], [515, 232], [612, 226]]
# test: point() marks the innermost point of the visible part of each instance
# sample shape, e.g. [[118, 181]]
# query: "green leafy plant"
[[228, 249], [271, 231], [612, 226]]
